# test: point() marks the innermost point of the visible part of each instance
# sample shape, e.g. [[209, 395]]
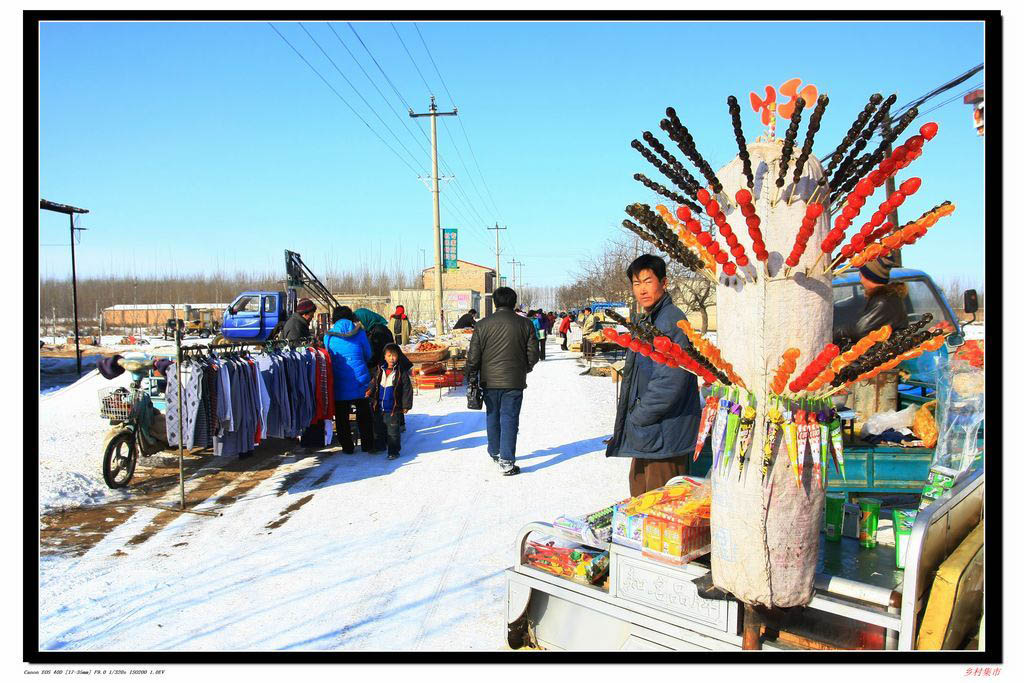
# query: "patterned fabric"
[[173, 419]]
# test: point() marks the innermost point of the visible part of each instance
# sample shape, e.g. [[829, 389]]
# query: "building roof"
[[468, 263]]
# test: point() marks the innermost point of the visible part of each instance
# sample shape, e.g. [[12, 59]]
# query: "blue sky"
[[206, 146]]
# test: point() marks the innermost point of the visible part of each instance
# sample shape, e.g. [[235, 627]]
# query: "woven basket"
[[427, 356]]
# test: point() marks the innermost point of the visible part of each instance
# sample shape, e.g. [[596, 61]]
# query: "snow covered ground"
[[332, 551]]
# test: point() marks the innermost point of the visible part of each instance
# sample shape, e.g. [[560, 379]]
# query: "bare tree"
[[603, 277]]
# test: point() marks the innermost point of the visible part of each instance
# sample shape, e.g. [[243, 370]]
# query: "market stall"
[[752, 532], [614, 596]]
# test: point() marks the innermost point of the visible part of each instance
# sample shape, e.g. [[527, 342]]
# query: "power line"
[[939, 90], [953, 98], [351, 85], [416, 66], [461, 125], [379, 91], [378, 65], [447, 168], [344, 101]]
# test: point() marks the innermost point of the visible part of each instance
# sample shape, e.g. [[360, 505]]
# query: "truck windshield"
[[921, 298]]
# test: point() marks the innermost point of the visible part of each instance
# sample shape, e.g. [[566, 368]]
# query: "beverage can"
[[867, 529], [834, 503]]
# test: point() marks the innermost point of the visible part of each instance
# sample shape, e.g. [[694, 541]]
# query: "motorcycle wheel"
[[204, 334], [119, 459]]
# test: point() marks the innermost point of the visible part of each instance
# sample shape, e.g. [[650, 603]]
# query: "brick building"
[[468, 276], [126, 316]]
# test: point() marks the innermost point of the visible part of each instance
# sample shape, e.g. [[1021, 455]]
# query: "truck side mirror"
[[971, 301]]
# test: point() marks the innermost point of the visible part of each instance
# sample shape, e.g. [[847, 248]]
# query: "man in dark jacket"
[[503, 350], [883, 305], [659, 407], [297, 326], [468, 319]]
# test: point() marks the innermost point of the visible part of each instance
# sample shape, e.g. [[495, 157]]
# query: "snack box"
[[627, 530], [568, 560], [667, 539]]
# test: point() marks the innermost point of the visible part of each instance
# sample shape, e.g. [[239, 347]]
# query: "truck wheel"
[[218, 340], [119, 459]]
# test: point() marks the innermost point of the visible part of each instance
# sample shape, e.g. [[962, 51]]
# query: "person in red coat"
[[563, 329]]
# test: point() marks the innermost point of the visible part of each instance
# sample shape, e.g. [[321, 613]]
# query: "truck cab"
[[923, 296], [252, 316]]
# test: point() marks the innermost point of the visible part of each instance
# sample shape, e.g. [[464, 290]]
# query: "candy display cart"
[[860, 600]]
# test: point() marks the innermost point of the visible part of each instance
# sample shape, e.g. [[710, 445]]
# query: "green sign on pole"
[[504, 280], [450, 248]]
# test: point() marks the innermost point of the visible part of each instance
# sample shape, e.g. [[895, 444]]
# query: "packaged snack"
[[568, 560], [678, 530], [586, 529], [627, 529]]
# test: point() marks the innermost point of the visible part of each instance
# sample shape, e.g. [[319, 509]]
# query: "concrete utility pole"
[[70, 211], [438, 299], [515, 264], [497, 259]]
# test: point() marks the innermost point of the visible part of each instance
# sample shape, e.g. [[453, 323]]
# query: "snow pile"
[[71, 435]]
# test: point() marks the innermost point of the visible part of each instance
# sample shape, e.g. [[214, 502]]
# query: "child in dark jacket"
[[390, 396]]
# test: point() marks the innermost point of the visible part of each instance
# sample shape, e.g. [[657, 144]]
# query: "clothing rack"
[[182, 352], [236, 347]]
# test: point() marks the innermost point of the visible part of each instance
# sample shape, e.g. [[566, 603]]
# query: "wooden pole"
[[752, 623]]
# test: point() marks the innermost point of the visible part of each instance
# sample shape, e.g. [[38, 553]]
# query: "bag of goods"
[[924, 426], [587, 529], [569, 560]]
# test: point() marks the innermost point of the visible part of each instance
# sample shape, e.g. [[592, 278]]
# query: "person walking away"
[[297, 327], [401, 328], [390, 395], [542, 339], [503, 350], [350, 351], [563, 329], [468, 319], [658, 412]]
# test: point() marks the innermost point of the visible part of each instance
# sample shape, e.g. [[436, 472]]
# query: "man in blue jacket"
[[658, 414], [350, 352]]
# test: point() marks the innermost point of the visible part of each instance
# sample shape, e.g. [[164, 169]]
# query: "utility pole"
[[70, 211], [497, 259], [438, 300], [515, 264]]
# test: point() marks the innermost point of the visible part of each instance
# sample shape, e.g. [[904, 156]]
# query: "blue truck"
[[257, 315], [885, 469]]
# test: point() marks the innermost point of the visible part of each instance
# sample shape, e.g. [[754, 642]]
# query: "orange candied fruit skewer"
[[786, 368]]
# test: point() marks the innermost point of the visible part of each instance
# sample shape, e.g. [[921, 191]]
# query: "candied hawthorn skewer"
[[786, 368]]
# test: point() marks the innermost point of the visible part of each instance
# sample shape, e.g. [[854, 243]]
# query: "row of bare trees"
[[602, 277], [97, 293]]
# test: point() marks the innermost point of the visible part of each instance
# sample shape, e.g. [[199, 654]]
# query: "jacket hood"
[[346, 328], [369, 319]]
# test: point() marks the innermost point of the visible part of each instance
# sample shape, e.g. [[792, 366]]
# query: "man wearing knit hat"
[[884, 301], [297, 326]]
